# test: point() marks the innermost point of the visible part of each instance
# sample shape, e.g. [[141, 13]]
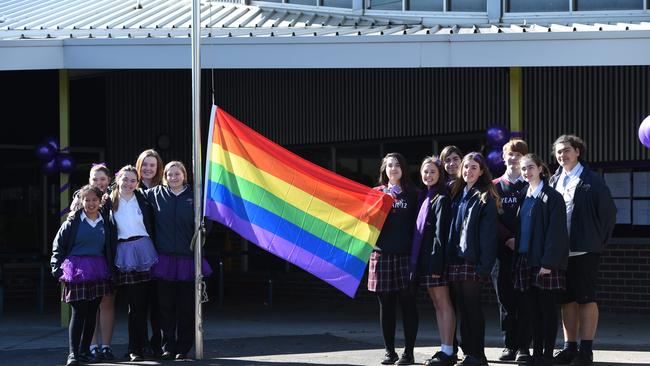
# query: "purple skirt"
[[80, 269], [137, 255], [178, 268]]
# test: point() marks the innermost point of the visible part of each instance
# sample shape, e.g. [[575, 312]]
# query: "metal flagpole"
[[198, 181]]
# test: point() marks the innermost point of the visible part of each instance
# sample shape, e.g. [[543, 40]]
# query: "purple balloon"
[[45, 152], [494, 159], [644, 132], [65, 163], [52, 142], [497, 136], [50, 167]]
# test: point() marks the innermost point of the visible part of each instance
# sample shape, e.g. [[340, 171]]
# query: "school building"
[[339, 82]]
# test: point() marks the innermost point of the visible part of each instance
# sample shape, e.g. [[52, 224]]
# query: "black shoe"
[[523, 356], [107, 353], [406, 359], [134, 357], [583, 359], [72, 360], [181, 356], [565, 356], [508, 354], [441, 359], [147, 352], [167, 356], [86, 357], [390, 358], [472, 361], [97, 354]]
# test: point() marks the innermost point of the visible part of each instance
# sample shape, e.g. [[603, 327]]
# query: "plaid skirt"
[[129, 278], [85, 290], [464, 271], [525, 276], [388, 272], [428, 281]]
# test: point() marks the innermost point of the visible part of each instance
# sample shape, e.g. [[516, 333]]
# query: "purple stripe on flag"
[[283, 248]]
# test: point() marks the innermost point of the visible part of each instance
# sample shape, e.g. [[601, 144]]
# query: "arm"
[[556, 244], [487, 237], [60, 248], [606, 211], [443, 220]]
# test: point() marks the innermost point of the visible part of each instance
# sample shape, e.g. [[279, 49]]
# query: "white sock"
[[447, 349], [93, 346], [106, 346]]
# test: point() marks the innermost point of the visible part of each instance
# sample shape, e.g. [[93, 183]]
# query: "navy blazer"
[[431, 259], [480, 230], [549, 238], [65, 237], [594, 212]]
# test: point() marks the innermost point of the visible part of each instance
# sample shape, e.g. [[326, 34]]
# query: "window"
[[386, 4], [586, 5], [531, 6], [468, 5], [426, 5], [338, 3]]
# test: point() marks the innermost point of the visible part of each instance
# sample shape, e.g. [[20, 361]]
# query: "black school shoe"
[[472, 361], [565, 356], [583, 359], [167, 356], [441, 359], [107, 353], [508, 354], [134, 357], [523, 356], [72, 360], [86, 357], [406, 359], [389, 358]]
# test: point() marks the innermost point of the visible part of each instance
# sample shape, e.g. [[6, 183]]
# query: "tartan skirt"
[[524, 277], [428, 281], [388, 272], [85, 290], [464, 271], [129, 278]]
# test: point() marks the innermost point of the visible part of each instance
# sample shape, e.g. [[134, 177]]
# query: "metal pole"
[[196, 162], [64, 179]]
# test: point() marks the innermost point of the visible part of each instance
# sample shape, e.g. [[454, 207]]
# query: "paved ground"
[[344, 333]]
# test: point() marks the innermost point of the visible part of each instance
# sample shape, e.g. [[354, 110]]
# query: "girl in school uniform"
[[173, 205], [542, 251], [471, 251], [132, 217], [81, 252], [428, 254], [388, 273], [149, 166]]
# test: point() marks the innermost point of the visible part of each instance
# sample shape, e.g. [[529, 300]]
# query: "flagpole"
[[196, 164]]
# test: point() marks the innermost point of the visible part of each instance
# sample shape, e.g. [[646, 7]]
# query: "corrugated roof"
[[60, 19]]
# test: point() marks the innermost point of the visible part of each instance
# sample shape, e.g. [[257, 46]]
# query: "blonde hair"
[[115, 194], [178, 165], [157, 178]]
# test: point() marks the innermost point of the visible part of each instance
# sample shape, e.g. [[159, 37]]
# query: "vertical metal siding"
[[603, 105]]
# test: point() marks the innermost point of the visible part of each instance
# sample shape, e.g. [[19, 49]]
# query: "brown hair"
[[405, 181], [157, 178], [484, 182], [170, 165], [575, 142], [448, 150], [545, 173], [81, 193], [115, 195], [441, 184], [101, 168], [516, 145]]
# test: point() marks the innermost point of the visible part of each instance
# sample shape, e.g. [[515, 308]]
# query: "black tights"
[[387, 318], [137, 298], [467, 298], [82, 324], [541, 311]]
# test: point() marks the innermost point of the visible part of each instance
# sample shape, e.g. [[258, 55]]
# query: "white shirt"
[[568, 192], [537, 190], [129, 219], [90, 222]]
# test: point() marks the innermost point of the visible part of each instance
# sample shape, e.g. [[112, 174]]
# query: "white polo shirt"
[[129, 219]]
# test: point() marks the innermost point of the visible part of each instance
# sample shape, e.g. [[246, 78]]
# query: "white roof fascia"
[[31, 54]]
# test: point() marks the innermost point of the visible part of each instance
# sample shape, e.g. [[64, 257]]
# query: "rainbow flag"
[[305, 214]]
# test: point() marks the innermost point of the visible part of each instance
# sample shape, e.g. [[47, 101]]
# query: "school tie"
[[420, 224], [566, 180]]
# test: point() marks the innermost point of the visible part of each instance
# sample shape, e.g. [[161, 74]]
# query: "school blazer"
[[431, 259], [594, 212], [64, 239], [480, 229], [549, 238]]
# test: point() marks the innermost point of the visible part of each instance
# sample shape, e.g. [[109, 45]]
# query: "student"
[[150, 173], [451, 156], [542, 249], [173, 205], [388, 274], [132, 217], [471, 251], [591, 216], [510, 187], [428, 254], [81, 252]]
